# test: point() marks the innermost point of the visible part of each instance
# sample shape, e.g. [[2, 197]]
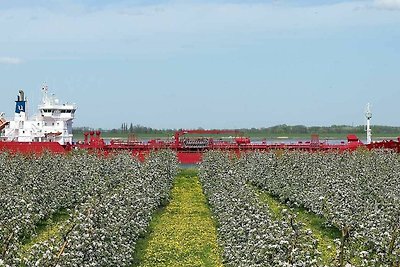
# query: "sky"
[[203, 63]]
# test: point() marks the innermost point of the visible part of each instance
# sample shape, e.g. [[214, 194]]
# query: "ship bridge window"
[[66, 111]]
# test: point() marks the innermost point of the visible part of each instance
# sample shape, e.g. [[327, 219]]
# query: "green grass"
[[323, 233], [46, 229], [183, 233]]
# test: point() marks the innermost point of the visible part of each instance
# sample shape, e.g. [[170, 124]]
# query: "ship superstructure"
[[53, 123]]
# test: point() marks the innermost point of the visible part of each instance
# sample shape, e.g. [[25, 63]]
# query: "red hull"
[[190, 157], [32, 147], [191, 153]]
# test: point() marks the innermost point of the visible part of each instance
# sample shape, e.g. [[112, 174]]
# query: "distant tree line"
[[333, 129], [139, 129], [281, 129], [301, 129]]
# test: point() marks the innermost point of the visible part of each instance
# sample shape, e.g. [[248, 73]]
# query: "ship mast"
[[45, 98], [368, 115]]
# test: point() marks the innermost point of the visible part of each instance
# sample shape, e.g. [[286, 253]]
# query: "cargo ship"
[[51, 130]]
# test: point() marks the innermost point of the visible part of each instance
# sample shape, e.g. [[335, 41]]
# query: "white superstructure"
[[53, 123]]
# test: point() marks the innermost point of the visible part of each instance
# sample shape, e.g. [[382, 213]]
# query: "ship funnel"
[[20, 104], [21, 96]]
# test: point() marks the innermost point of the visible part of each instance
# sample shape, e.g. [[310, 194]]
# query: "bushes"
[[110, 200], [247, 233], [357, 192]]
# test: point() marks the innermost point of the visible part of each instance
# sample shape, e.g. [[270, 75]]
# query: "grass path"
[[324, 234], [183, 233], [46, 229]]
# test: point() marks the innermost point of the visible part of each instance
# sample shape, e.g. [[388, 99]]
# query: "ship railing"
[[12, 137]]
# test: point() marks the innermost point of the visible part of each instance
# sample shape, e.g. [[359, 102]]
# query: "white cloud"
[[168, 27], [388, 4], [116, 23], [10, 60]]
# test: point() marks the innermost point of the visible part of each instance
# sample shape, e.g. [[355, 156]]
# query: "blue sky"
[[210, 64]]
